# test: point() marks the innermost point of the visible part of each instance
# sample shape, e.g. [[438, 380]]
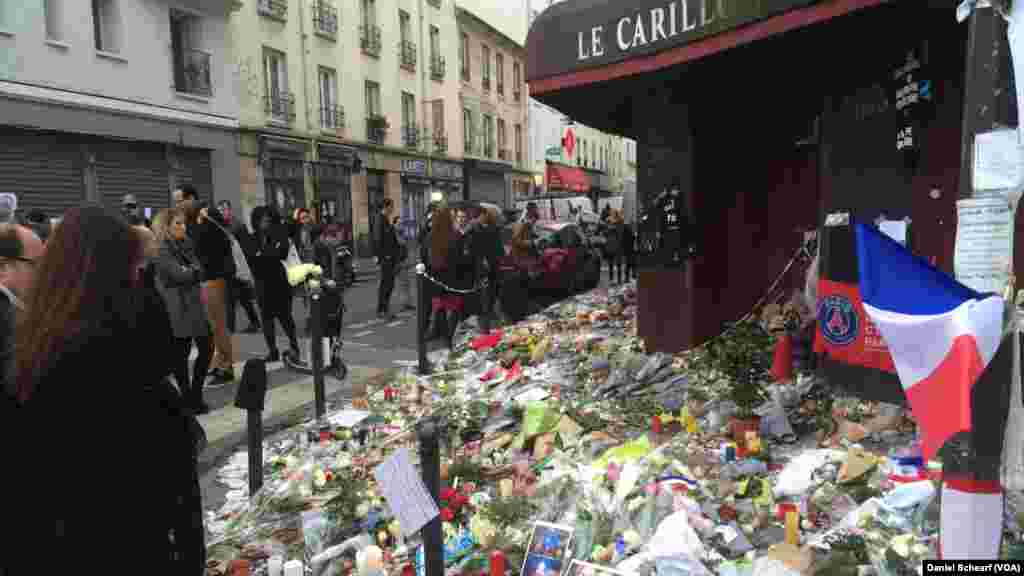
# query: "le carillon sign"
[[580, 34]]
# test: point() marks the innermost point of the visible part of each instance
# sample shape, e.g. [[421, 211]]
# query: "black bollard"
[[422, 310], [430, 463], [317, 351], [251, 395]]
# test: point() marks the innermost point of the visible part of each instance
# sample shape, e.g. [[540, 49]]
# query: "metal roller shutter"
[[43, 169], [138, 168], [192, 166]]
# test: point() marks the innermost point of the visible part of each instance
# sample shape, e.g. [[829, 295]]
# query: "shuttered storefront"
[[192, 166], [131, 167], [44, 169]]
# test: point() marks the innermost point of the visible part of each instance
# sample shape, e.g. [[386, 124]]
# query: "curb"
[[217, 451]]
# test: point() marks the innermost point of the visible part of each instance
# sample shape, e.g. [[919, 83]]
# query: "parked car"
[[567, 262]]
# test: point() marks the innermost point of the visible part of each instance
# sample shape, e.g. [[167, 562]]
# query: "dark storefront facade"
[[761, 140], [449, 179], [332, 185], [486, 181], [283, 162]]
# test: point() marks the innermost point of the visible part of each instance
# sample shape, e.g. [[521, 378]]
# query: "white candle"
[[374, 559], [275, 565], [293, 568]]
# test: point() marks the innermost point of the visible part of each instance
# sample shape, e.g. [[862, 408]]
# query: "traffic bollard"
[[251, 396], [317, 351], [430, 463], [422, 310]]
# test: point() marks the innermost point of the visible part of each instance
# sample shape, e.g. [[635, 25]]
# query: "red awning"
[[567, 178]]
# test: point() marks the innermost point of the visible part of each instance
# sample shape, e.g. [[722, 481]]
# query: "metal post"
[[430, 462], [422, 310], [317, 351], [255, 423]]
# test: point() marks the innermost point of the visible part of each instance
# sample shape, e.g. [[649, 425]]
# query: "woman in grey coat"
[[178, 277]]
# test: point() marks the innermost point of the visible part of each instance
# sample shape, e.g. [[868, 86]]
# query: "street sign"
[[569, 142]]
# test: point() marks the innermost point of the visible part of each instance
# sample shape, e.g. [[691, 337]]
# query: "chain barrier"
[[422, 271]]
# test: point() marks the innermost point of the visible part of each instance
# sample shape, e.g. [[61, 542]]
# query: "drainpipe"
[[305, 86]]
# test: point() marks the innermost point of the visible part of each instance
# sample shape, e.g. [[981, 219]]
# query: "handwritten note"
[[998, 161], [405, 492], [984, 243]]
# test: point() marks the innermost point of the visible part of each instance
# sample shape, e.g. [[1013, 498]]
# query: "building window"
[[406, 47], [191, 66], [106, 23], [517, 90], [437, 123], [485, 62], [519, 144], [276, 9], [467, 132], [325, 19], [436, 59], [488, 136], [332, 117], [376, 123], [410, 130], [375, 192], [54, 19], [464, 57], [280, 104], [369, 32], [502, 142], [499, 71]]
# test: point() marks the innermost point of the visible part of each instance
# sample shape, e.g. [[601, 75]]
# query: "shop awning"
[[580, 42], [567, 178]]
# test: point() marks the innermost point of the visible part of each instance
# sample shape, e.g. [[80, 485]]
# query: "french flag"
[[944, 339]]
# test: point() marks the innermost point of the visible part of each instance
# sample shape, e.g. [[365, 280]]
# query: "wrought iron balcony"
[[281, 106], [192, 73], [276, 9], [517, 94], [411, 136], [440, 143], [501, 88], [504, 154], [434, 3], [325, 19], [332, 117], [369, 40], [437, 68], [407, 55], [376, 129], [486, 83], [464, 72]]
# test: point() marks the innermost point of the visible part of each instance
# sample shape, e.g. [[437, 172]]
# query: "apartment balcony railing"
[[325, 19], [464, 72], [486, 83], [504, 154], [440, 143], [407, 55], [192, 73], [369, 40], [376, 129], [276, 9], [434, 3], [411, 136], [332, 117], [281, 106], [517, 94], [437, 68], [501, 88]]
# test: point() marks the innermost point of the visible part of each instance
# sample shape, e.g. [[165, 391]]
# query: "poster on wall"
[[984, 243], [998, 163]]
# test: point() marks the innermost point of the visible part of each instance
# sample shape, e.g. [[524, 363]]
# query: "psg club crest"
[[838, 319]]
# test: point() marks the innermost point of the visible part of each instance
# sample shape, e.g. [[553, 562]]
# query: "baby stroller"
[[332, 297]]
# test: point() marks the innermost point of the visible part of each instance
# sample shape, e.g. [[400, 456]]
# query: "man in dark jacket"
[[213, 249], [239, 292], [387, 251], [19, 248]]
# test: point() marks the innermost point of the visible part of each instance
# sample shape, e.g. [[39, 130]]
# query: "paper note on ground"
[[405, 492], [348, 418]]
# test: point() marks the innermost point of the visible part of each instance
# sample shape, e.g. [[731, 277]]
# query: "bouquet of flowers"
[[456, 507]]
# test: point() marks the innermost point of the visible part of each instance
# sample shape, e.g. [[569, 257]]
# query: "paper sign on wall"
[[998, 161], [984, 243]]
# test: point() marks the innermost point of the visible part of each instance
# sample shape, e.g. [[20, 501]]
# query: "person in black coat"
[[387, 251], [94, 352], [273, 293], [240, 293]]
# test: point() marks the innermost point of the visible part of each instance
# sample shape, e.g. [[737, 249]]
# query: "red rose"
[[447, 515], [460, 500], [447, 493]]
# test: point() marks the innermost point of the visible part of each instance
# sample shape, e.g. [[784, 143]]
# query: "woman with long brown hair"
[[93, 352], [450, 263]]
